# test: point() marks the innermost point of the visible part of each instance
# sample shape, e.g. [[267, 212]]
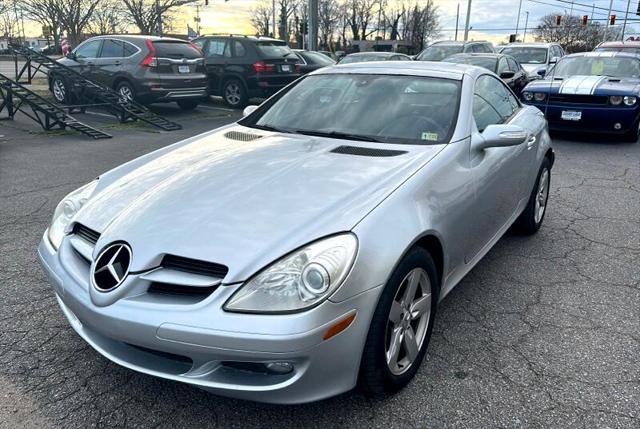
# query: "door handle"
[[531, 141]]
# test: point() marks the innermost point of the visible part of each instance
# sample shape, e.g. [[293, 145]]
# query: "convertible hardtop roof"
[[418, 68]]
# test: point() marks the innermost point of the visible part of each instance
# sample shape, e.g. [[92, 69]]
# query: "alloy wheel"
[[59, 91], [408, 321], [541, 196], [126, 93], [232, 93]]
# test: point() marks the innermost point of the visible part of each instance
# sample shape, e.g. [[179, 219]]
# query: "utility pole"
[[466, 25], [606, 29], [526, 23], [571, 13], [313, 25], [159, 14], [518, 19], [198, 19], [457, 19], [593, 11], [626, 15], [273, 18]]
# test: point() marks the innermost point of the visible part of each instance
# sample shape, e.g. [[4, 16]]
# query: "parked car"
[[311, 60], [360, 57], [305, 248], [146, 69], [505, 66], [244, 67], [632, 47], [595, 92], [330, 55], [438, 51], [536, 58]]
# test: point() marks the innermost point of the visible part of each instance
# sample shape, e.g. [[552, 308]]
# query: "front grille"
[[170, 289], [367, 151], [86, 233], [580, 99], [194, 266]]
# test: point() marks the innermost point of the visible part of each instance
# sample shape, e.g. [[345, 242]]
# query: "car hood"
[[243, 197], [587, 85]]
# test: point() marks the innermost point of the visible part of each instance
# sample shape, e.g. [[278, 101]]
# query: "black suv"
[[438, 51], [146, 69], [242, 67]]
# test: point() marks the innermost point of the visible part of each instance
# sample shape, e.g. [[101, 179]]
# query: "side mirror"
[[507, 74], [554, 60], [249, 110], [502, 135], [542, 72], [72, 56]]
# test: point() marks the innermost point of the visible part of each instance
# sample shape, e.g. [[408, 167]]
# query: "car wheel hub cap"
[[58, 90], [233, 93], [541, 196], [408, 321], [126, 93]]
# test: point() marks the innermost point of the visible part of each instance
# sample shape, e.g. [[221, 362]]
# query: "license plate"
[[571, 115], [183, 69], [286, 68]]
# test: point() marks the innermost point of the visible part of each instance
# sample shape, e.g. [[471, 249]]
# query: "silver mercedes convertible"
[[303, 250]]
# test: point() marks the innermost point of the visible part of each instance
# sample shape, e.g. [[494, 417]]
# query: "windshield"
[[526, 55], [620, 49], [379, 108], [597, 66], [176, 50], [274, 49], [486, 62], [439, 52], [362, 58]]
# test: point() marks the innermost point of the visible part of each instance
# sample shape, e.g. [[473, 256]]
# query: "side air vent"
[[194, 266], [86, 233], [169, 289], [241, 136], [367, 151]]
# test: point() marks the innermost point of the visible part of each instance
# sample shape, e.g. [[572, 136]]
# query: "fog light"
[[617, 125], [279, 367]]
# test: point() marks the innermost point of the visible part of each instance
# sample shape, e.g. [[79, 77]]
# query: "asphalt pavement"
[[544, 332]]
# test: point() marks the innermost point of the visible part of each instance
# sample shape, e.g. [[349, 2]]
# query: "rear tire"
[[188, 104], [383, 372], [60, 90], [234, 94], [530, 220]]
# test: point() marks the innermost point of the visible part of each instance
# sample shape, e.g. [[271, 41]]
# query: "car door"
[[500, 173], [217, 52], [85, 56], [109, 62]]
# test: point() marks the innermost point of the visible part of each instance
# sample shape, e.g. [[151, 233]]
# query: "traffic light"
[[512, 38], [558, 19], [585, 19], [612, 19]]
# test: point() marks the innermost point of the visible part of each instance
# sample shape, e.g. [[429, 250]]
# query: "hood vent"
[[87, 234], [367, 151], [242, 136]]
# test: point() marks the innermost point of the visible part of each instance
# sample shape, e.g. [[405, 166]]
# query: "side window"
[[112, 49], [513, 65], [89, 49], [503, 66], [129, 49], [216, 48], [476, 48], [494, 98], [239, 49], [199, 43]]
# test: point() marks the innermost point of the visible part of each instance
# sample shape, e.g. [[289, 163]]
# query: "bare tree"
[[360, 15], [9, 27], [329, 14], [145, 14], [285, 9], [74, 17], [571, 33], [46, 12], [421, 23], [261, 17], [106, 19]]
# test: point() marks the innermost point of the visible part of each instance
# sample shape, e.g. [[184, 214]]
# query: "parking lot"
[[542, 333]]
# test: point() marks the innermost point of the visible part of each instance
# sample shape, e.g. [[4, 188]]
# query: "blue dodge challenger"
[[590, 92]]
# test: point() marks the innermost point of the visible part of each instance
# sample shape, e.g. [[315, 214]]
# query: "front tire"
[[234, 94], [59, 90], [530, 220], [126, 91], [401, 326]]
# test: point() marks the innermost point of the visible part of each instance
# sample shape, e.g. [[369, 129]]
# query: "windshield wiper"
[[336, 135]]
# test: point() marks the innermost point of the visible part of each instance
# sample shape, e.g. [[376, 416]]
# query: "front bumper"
[[595, 119], [196, 343]]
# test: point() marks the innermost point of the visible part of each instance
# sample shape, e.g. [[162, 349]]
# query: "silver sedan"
[[303, 250]]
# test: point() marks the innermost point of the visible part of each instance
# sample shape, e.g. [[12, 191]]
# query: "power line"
[[588, 5], [575, 9]]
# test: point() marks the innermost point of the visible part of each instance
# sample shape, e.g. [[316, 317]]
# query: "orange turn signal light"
[[340, 326]]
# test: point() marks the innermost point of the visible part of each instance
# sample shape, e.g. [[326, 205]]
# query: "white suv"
[[536, 58]]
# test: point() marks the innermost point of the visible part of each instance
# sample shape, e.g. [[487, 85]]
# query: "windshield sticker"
[[429, 136]]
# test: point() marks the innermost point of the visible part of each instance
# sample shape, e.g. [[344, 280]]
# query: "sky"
[[491, 20]]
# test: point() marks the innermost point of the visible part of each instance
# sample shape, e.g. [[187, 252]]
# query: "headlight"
[[615, 99], [630, 100], [527, 96], [539, 96], [300, 280], [66, 210]]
